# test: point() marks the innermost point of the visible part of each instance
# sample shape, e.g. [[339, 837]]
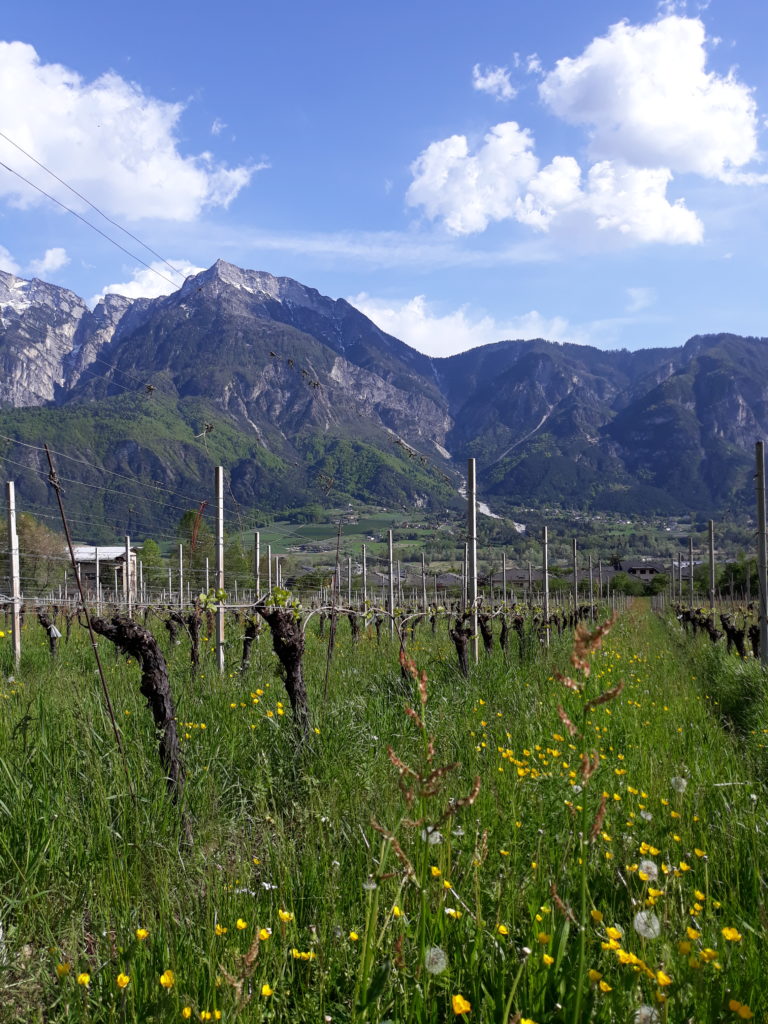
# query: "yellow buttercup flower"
[[285, 915], [502, 929], [731, 934], [663, 979], [241, 924], [266, 990], [122, 980], [548, 960], [220, 929], [168, 979], [264, 933], [84, 979], [460, 1004], [186, 1012], [353, 936], [141, 934], [62, 970]]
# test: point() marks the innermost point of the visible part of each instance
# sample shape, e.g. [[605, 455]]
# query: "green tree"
[[154, 566]]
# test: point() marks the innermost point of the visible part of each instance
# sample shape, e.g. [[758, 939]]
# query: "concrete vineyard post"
[[545, 578], [220, 566], [391, 586], [472, 552], [762, 552], [13, 544], [712, 564]]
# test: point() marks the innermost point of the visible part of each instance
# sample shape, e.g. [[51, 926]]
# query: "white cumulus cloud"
[[51, 261], [503, 181], [646, 97], [7, 262], [494, 81], [468, 191], [436, 334], [151, 282], [107, 138]]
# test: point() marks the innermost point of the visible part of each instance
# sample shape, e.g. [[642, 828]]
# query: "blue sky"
[[462, 172]]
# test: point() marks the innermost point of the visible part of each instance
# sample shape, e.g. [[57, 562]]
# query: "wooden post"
[[365, 575], [269, 568], [545, 578], [349, 581], [762, 553], [220, 566], [600, 578], [504, 578], [690, 566], [472, 553], [257, 562], [591, 591], [712, 564], [423, 583], [181, 576], [13, 545], [127, 575], [391, 587], [575, 578], [98, 582]]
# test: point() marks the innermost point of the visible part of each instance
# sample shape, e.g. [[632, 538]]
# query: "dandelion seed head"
[[646, 1015], [650, 869], [678, 783], [435, 960], [647, 924], [431, 835]]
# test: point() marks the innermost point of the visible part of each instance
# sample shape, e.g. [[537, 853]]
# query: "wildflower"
[[62, 970], [548, 960], [662, 979], [596, 916], [502, 929], [460, 1004], [594, 976], [396, 911], [605, 987], [186, 1012], [241, 925], [614, 933], [731, 934], [646, 1015], [699, 853], [543, 938], [84, 979], [692, 933], [353, 936], [266, 990], [679, 784], [220, 929], [740, 1009], [649, 872], [168, 979], [436, 872], [264, 934], [647, 924], [141, 934], [285, 916], [122, 980], [435, 960]]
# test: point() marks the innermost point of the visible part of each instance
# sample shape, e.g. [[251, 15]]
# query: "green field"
[[630, 886]]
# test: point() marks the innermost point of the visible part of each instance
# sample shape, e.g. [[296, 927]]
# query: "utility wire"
[[92, 205], [93, 227]]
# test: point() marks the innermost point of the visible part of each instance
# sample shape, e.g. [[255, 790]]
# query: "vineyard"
[[569, 832]]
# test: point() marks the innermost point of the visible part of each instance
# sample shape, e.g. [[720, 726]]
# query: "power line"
[[93, 227], [89, 203]]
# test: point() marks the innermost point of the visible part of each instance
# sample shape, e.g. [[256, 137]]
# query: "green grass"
[[83, 863]]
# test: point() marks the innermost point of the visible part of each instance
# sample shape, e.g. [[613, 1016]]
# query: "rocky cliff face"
[[38, 326]]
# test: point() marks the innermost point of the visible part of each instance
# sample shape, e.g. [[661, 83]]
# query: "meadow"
[[571, 834]]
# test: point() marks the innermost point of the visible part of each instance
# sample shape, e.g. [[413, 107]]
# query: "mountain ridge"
[[305, 389]]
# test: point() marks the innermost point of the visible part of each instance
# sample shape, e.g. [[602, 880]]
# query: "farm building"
[[101, 562]]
